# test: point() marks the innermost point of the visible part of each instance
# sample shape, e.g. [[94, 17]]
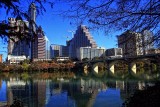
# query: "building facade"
[[90, 53], [153, 51], [12, 59], [134, 44], [114, 52], [58, 51], [147, 41], [39, 45], [82, 38], [47, 48]]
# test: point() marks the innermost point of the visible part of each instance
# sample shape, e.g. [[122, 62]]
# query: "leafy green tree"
[[25, 66]]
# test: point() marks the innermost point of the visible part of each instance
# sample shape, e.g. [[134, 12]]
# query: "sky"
[[57, 30]]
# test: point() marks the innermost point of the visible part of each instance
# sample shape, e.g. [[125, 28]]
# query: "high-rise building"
[[134, 44], [82, 38], [58, 51], [32, 30], [39, 45], [32, 17], [18, 46]]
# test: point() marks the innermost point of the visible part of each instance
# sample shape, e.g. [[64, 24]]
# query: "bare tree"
[[109, 15]]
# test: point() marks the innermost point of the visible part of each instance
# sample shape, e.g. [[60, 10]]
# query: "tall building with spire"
[[38, 44], [32, 29], [82, 38], [32, 17]]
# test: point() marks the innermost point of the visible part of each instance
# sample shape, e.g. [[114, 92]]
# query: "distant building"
[[15, 59], [114, 52], [153, 51], [90, 53], [61, 59], [82, 38], [58, 51], [1, 58], [134, 44]]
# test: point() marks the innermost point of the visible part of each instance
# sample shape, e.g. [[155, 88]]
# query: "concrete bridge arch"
[[138, 65], [86, 68], [118, 66], [98, 67]]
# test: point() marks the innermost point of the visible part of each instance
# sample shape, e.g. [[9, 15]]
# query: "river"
[[67, 92]]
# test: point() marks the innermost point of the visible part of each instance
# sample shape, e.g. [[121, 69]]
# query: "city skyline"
[[58, 30]]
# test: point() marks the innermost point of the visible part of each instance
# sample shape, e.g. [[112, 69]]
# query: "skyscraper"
[[38, 49], [32, 30], [82, 38], [32, 17]]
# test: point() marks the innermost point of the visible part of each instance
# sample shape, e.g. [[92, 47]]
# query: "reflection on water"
[[67, 93]]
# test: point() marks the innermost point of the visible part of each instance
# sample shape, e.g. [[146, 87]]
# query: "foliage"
[[69, 65], [33, 67], [25, 66], [25, 76], [54, 65], [154, 67], [25, 61], [17, 103], [19, 9], [96, 58], [85, 59], [1, 66]]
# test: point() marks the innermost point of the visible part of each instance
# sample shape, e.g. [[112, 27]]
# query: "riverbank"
[[37, 66]]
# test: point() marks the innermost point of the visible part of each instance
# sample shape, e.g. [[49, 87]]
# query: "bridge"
[[131, 65]]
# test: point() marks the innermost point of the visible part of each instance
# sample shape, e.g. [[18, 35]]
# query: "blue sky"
[[57, 29]]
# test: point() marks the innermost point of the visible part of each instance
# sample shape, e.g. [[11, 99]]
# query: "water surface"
[[61, 92]]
